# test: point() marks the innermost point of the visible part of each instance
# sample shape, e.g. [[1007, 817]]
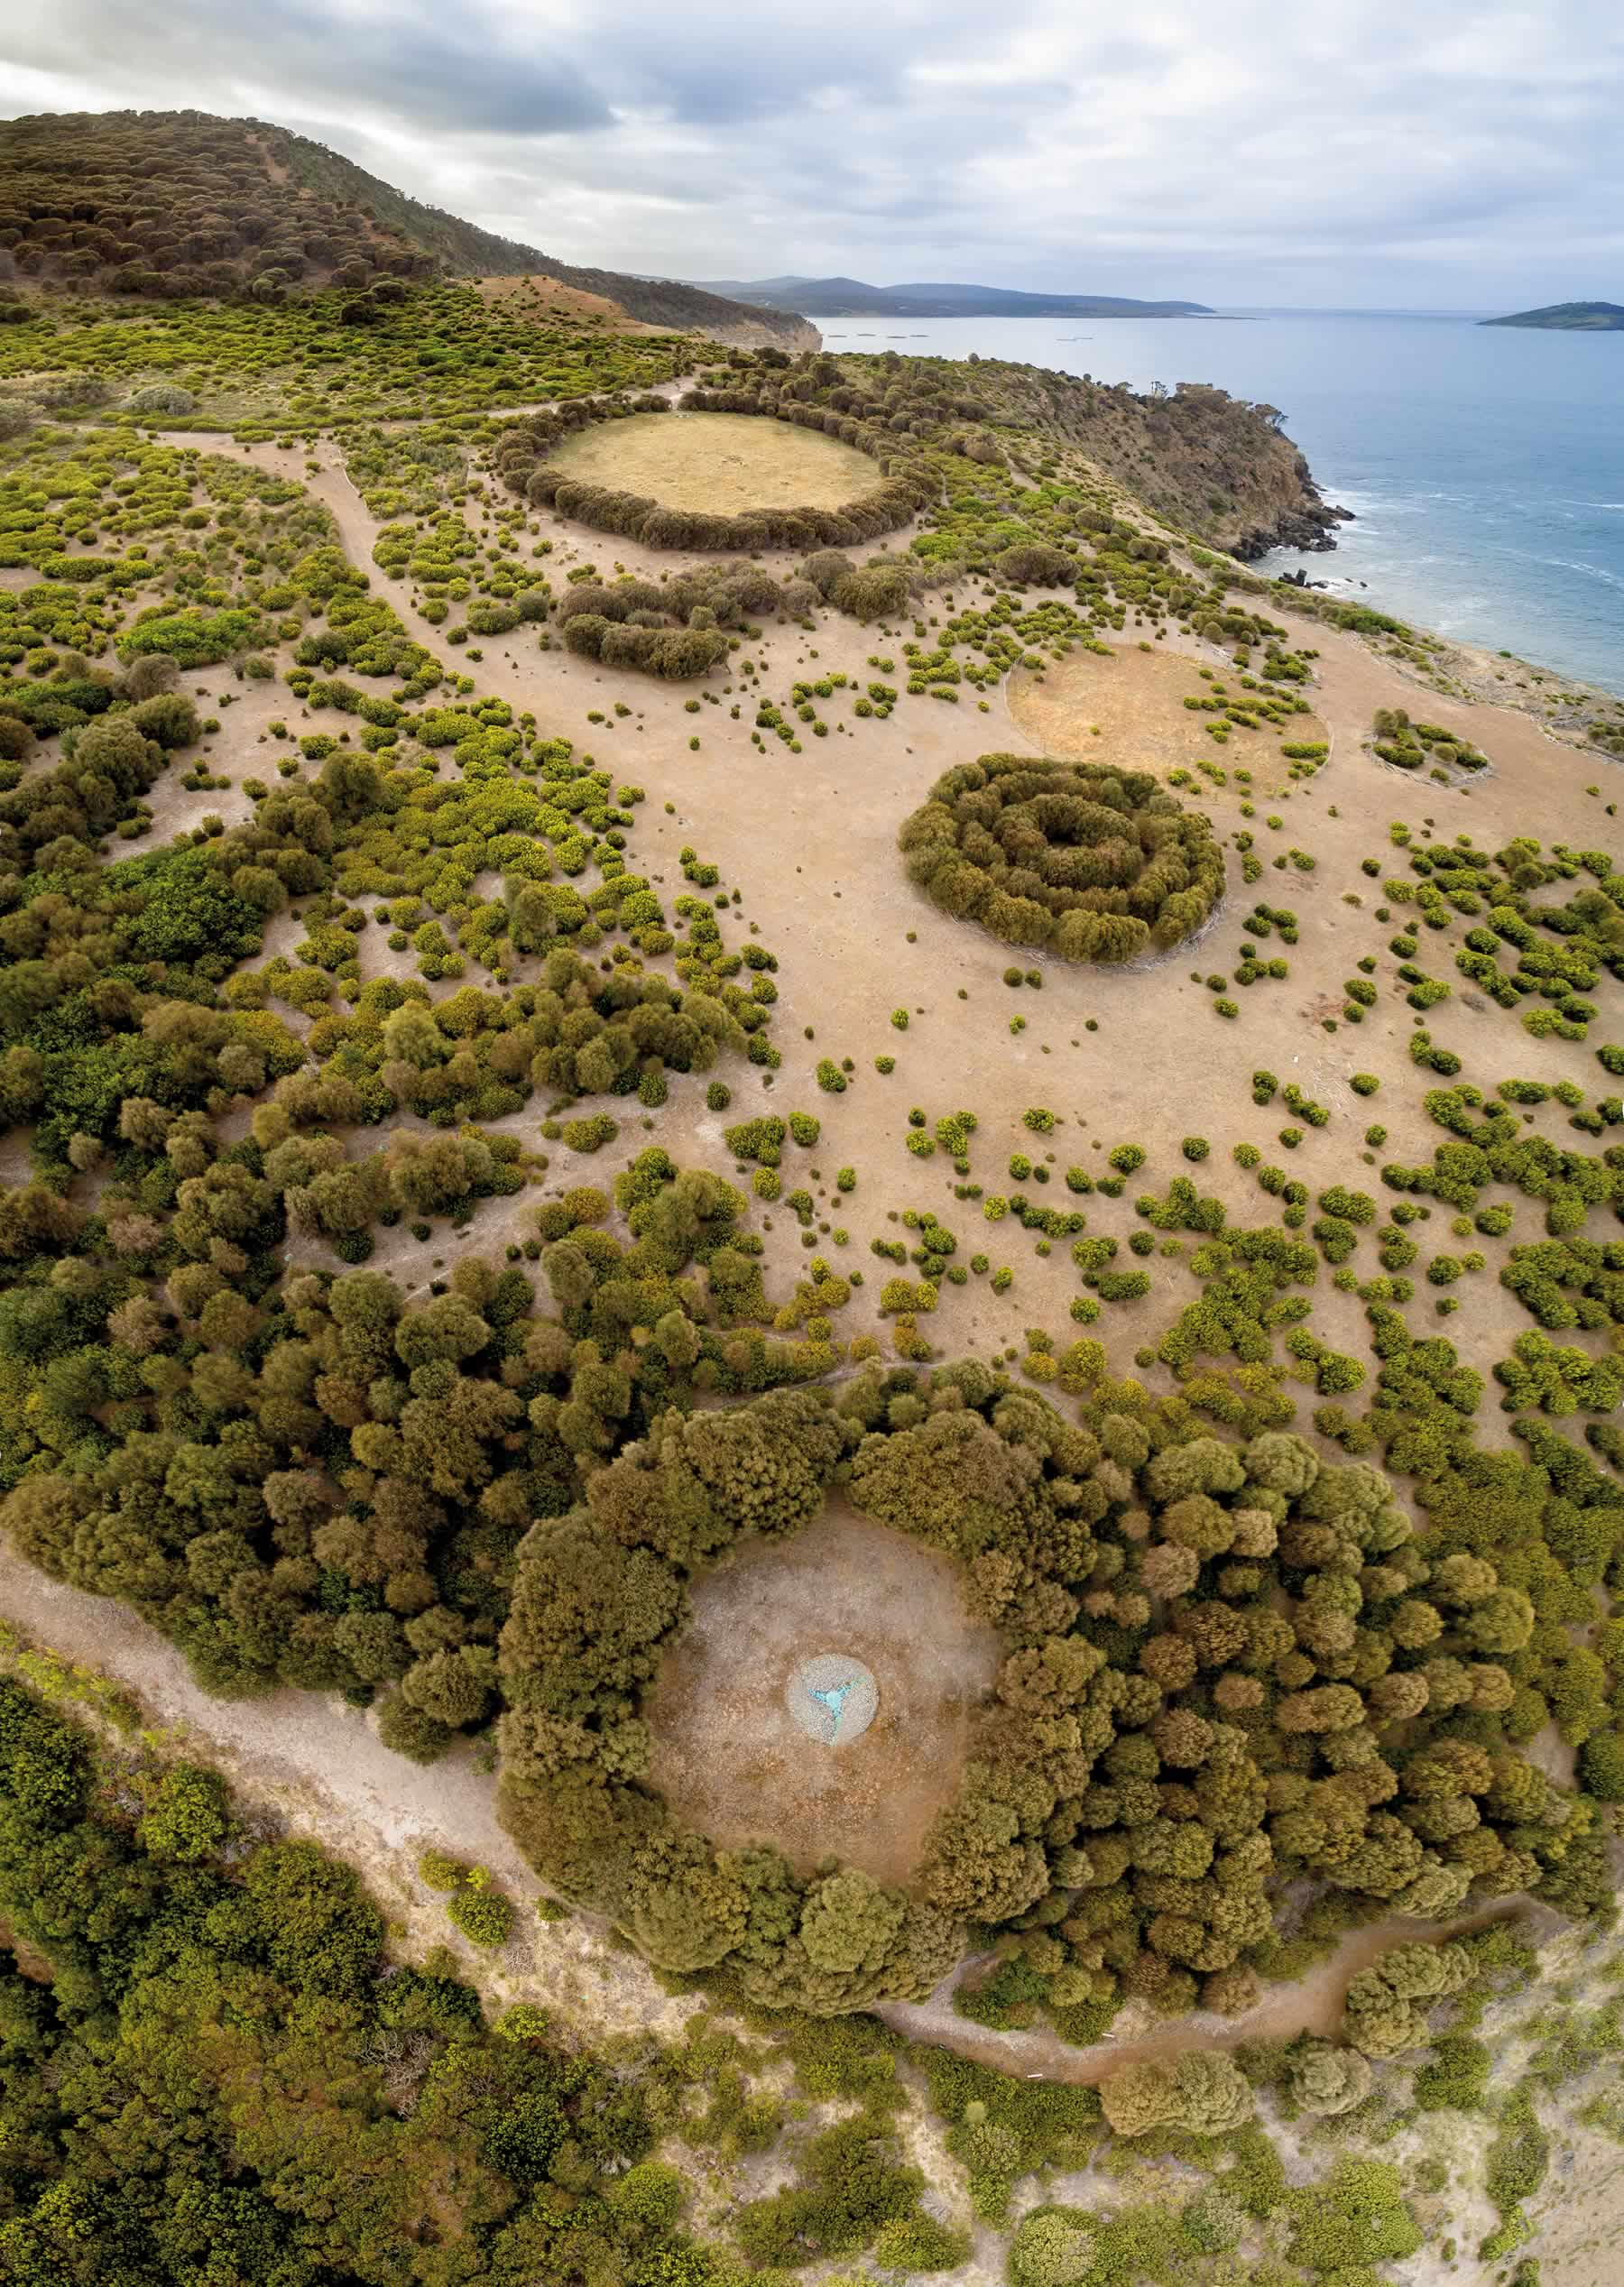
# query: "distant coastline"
[[1568, 318], [818, 298]]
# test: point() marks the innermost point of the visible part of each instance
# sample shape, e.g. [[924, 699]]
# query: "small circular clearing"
[[1136, 700], [717, 463], [735, 1756]]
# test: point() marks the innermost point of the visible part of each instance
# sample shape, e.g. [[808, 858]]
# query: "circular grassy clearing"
[[717, 464]]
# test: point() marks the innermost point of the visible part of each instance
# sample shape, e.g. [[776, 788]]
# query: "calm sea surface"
[[1485, 468]]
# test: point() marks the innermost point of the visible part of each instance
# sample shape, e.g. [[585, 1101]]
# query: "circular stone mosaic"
[[833, 1697]]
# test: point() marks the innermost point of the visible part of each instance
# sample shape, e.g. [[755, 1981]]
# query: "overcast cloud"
[[1406, 153]]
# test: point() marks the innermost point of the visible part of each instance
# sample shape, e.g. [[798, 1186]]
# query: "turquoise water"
[[1485, 468]]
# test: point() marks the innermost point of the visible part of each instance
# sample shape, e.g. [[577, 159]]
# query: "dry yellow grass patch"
[[544, 299], [720, 463], [1135, 699]]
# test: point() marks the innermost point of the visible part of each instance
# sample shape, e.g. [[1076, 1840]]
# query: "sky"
[[1355, 153]]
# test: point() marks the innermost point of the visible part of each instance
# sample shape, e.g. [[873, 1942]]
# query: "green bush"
[[484, 1915], [1066, 833]]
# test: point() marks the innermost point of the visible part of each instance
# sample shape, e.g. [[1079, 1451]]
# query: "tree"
[[1326, 2079], [1387, 2005], [1203, 2092]]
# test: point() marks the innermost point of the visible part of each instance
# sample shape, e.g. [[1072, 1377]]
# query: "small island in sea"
[[1569, 318]]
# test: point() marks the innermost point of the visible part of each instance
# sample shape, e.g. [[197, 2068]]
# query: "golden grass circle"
[[716, 463]]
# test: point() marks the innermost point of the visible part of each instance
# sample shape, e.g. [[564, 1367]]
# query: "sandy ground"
[[1576, 2213], [727, 1754], [1130, 708], [720, 462], [809, 842]]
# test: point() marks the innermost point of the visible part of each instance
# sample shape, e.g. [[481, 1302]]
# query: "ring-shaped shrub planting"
[[1093, 862], [520, 457], [1230, 1668]]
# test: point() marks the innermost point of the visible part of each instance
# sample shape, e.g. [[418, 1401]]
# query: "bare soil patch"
[[721, 463], [1130, 708], [729, 1758]]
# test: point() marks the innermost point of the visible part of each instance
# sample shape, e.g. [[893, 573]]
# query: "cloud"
[[1261, 151], [460, 72]]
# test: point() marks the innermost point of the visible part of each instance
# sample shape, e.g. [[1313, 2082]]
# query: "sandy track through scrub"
[[319, 1767]]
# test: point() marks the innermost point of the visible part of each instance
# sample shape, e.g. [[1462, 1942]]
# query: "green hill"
[[174, 204], [1569, 318], [852, 297]]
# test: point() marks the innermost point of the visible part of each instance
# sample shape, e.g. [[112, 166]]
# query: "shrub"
[[411, 1732], [484, 1915], [1052, 2247], [876, 591], [1096, 863], [590, 1134]]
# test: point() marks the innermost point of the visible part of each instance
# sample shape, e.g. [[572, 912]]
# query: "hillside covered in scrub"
[[852, 297], [174, 204], [666, 1009]]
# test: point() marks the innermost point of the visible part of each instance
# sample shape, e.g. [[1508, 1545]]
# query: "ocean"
[[1484, 465]]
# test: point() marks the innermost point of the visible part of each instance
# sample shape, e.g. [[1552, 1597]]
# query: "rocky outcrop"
[[1205, 462], [794, 334]]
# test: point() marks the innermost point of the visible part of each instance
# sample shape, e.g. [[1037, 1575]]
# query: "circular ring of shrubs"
[[1093, 862], [906, 486], [1230, 1667]]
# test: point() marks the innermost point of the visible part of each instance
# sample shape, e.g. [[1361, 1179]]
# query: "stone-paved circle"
[[833, 1697]]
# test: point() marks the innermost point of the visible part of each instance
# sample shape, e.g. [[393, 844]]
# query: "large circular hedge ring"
[[901, 487], [1093, 862], [1224, 1668]]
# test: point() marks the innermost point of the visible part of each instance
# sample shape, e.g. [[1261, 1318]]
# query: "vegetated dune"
[[524, 1059]]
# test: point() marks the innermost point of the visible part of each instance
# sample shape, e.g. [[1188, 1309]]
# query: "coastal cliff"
[[1208, 462], [772, 331]]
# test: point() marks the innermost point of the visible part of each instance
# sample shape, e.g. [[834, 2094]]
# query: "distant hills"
[[851, 298], [176, 203], [1566, 317]]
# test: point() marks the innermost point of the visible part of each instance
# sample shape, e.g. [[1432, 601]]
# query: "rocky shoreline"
[[1311, 526]]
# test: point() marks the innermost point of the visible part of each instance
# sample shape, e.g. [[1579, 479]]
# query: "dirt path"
[[319, 1768], [297, 1748], [1312, 2003]]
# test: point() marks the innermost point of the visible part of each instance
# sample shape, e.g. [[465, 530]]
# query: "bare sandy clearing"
[[1130, 708], [728, 1757]]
